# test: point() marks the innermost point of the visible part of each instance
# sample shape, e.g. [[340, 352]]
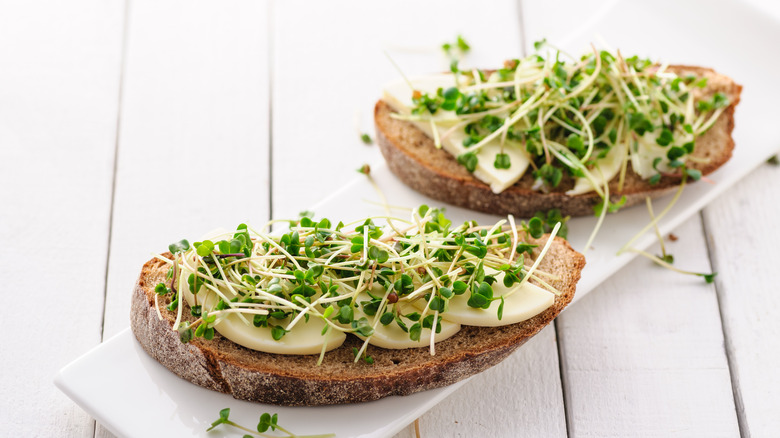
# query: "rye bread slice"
[[296, 380], [413, 158]]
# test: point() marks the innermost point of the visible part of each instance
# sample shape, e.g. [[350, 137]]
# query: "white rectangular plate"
[[134, 396]]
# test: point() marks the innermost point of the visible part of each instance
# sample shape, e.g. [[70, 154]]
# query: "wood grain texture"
[[520, 397], [194, 125], [58, 109], [193, 143], [339, 62], [311, 159], [741, 231], [643, 355]]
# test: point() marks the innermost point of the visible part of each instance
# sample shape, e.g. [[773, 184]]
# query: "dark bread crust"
[[413, 158], [296, 380]]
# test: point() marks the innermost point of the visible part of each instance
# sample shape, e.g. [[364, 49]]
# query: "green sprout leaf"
[[267, 421], [223, 419], [469, 160], [415, 331], [535, 227], [277, 332], [204, 248], [363, 327], [502, 161], [180, 246], [462, 44]]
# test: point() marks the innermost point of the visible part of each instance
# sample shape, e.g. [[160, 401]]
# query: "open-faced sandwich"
[[553, 132], [327, 314]]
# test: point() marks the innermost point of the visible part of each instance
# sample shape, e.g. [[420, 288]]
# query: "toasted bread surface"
[[413, 158], [297, 380]]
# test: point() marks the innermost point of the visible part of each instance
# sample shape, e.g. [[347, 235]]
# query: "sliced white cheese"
[[399, 96], [392, 336], [525, 303], [645, 152], [608, 167], [304, 338]]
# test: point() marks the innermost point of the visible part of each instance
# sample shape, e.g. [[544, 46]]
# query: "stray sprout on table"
[[267, 422], [665, 260], [318, 270]]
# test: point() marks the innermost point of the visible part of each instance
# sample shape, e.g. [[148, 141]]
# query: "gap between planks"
[[123, 50], [744, 431], [271, 54], [96, 429]]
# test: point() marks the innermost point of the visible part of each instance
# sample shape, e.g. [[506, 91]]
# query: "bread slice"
[[297, 380], [412, 157]]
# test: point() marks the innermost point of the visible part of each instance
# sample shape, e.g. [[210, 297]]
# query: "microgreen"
[[612, 207], [180, 246], [536, 227], [502, 161], [365, 138], [566, 115], [314, 272], [468, 160], [544, 222], [366, 358], [460, 44], [161, 289], [266, 422], [550, 175]]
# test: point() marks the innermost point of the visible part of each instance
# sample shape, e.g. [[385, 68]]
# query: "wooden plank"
[[58, 110], [339, 64], [573, 20], [741, 231], [520, 397], [643, 355], [193, 144], [327, 78], [746, 289]]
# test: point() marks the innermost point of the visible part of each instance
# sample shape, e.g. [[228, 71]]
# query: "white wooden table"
[[125, 125]]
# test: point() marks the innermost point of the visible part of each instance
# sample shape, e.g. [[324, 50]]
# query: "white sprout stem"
[[711, 121], [282, 250], [587, 82], [588, 131], [436, 139], [491, 85], [649, 204], [538, 260], [529, 105], [157, 307], [433, 332], [602, 215], [562, 154], [654, 221], [512, 250], [398, 69], [626, 159], [660, 261]]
